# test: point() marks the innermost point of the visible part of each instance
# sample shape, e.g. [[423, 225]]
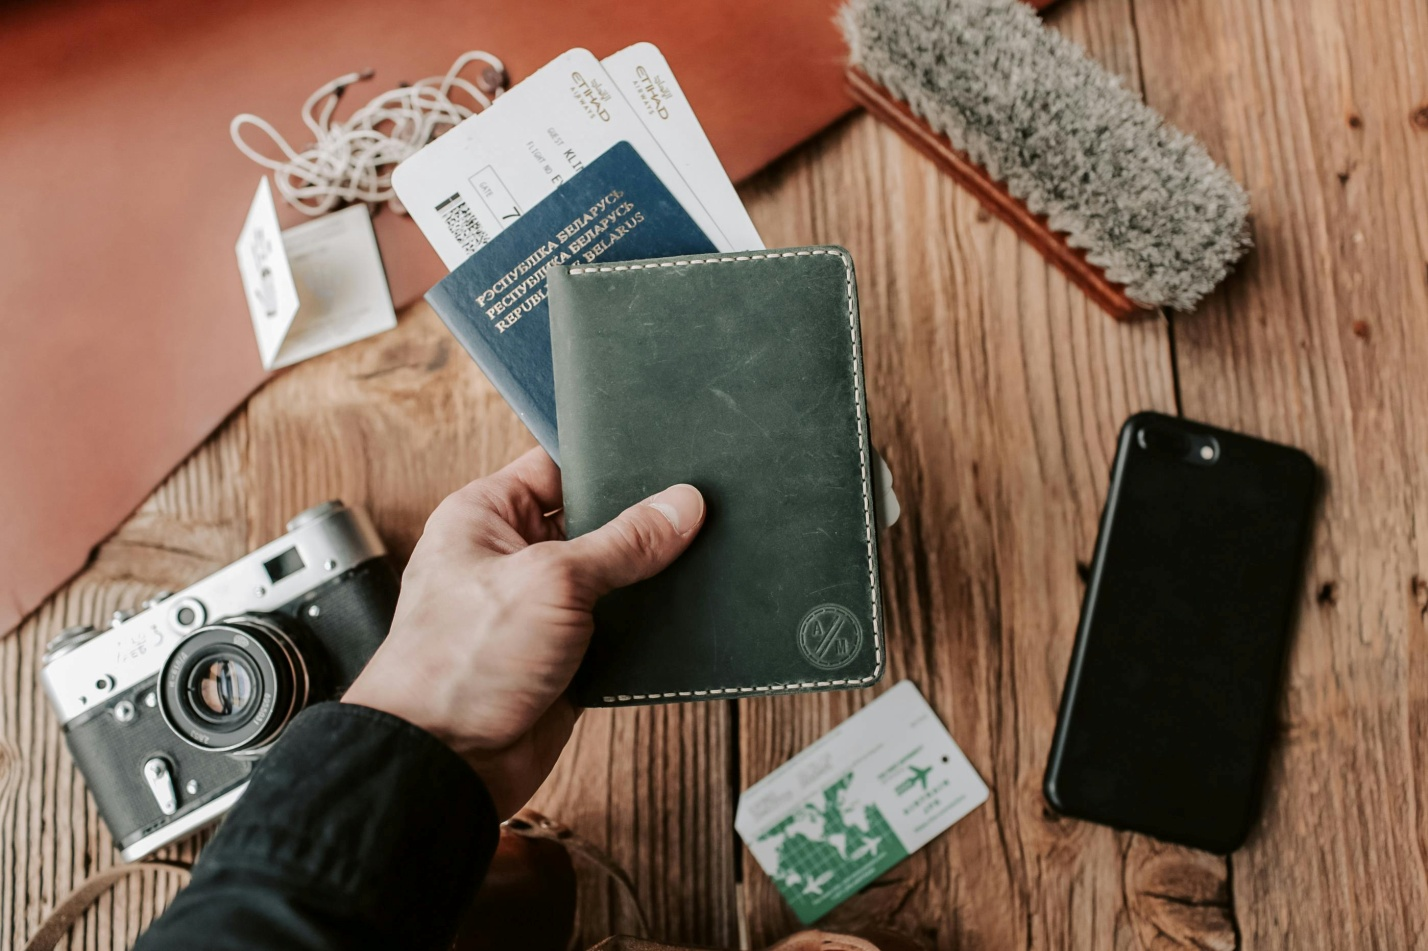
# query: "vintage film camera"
[[167, 710]]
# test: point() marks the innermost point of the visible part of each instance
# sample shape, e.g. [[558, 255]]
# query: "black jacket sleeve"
[[358, 830]]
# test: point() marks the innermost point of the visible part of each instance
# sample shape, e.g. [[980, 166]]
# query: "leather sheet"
[[126, 339]]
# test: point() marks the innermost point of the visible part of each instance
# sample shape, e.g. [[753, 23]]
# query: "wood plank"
[[397, 424], [51, 836], [996, 394], [1321, 342], [393, 424]]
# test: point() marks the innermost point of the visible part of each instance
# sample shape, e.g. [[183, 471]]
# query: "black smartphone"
[[1169, 702]]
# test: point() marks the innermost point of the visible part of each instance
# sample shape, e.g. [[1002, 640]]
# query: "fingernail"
[[681, 504]]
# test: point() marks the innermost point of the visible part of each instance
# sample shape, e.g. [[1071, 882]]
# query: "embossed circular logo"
[[830, 636]]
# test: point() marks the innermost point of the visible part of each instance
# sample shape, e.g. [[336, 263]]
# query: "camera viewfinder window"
[[283, 565]]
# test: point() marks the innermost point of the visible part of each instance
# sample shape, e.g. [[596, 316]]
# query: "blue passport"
[[615, 209]]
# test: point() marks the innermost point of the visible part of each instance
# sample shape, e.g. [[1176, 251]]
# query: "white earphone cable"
[[353, 159]]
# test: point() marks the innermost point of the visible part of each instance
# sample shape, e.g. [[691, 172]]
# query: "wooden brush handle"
[[993, 195]]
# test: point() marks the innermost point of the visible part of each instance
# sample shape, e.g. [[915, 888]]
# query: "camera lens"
[[234, 685], [222, 688]]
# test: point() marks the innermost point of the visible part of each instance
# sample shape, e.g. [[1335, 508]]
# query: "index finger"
[[536, 473], [518, 497]]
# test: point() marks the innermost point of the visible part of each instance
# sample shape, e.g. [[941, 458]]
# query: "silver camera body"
[[166, 711]]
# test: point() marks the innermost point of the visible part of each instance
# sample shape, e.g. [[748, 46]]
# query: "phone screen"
[[1170, 697]]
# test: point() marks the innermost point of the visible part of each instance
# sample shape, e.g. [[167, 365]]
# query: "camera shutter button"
[[161, 784], [156, 599], [187, 614], [313, 514], [68, 639]]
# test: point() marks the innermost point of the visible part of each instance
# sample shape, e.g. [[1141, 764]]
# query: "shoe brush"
[[1129, 208]]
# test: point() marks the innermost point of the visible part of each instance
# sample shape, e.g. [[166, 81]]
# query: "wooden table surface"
[[995, 392]]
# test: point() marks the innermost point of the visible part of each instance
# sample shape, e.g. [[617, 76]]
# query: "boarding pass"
[[475, 180]]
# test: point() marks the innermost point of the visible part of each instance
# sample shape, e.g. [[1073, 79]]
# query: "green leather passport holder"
[[740, 374]]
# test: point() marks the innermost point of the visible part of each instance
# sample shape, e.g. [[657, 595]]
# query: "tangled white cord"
[[353, 160]]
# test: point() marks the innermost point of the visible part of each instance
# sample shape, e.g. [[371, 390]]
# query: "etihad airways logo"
[[655, 92], [591, 96]]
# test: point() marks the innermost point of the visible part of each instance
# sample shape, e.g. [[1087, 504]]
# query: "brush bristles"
[[1144, 200]]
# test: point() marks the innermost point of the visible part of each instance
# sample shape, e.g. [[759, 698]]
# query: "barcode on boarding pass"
[[462, 224]]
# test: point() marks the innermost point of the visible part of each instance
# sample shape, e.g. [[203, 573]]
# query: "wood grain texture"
[[996, 390], [51, 836], [1321, 341], [393, 424]]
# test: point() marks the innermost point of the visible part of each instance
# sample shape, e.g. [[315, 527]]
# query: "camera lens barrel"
[[233, 685]]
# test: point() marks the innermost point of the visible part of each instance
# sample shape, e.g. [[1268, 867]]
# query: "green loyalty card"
[[880, 786]]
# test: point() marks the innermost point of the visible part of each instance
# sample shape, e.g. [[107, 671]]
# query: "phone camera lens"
[[1207, 450], [1170, 442], [1163, 441]]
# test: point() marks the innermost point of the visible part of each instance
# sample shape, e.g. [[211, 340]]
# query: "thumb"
[[640, 542]]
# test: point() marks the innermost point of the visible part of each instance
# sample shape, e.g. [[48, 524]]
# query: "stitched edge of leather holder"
[[860, 412]]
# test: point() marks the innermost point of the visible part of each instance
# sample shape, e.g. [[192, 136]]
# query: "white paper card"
[[314, 287], [473, 181], [878, 787], [643, 77], [888, 506], [267, 277]]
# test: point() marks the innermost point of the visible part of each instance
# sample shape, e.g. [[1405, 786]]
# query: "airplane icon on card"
[[814, 886], [918, 776]]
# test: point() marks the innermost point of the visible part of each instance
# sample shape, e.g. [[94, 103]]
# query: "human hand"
[[495, 615]]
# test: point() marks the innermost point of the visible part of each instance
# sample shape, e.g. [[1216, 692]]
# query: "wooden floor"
[[995, 393]]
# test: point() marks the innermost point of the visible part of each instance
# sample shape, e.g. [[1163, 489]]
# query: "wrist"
[[487, 764], [369, 692]]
